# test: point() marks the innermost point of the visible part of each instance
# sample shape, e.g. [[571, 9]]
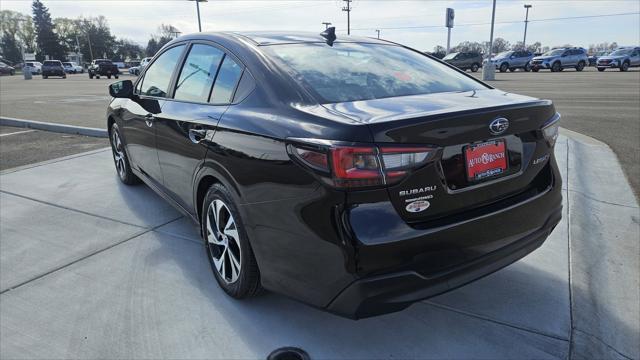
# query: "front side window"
[[450, 56], [358, 71], [228, 77], [198, 73], [158, 76]]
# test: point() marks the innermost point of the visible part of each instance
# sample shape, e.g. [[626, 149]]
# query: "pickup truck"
[[103, 67]]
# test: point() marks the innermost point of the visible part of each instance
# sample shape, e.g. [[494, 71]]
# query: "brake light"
[[551, 129], [362, 166]]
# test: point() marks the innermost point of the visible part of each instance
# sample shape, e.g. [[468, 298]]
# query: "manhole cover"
[[288, 353]]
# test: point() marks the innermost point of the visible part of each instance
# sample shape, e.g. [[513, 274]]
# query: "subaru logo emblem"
[[498, 126]]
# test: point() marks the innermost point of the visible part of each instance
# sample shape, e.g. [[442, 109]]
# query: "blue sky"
[[137, 20]]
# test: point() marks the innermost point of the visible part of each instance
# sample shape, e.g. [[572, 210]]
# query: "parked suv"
[[464, 60], [593, 59], [560, 59], [34, 66], [622, 58], [359, 185], [103, 67], [72, 68], [512, 60], [53, 68]]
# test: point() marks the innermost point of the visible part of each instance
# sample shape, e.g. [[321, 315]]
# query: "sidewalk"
[[90, 268]]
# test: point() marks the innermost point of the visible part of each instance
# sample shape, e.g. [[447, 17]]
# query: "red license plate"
[[486, 159]]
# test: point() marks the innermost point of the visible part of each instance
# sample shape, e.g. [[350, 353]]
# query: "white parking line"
[[17, 132]]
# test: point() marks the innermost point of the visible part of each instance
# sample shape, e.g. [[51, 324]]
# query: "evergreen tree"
[[47, 40], [10, 49]]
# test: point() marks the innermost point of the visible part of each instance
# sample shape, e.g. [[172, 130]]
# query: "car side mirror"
[[121, 89]]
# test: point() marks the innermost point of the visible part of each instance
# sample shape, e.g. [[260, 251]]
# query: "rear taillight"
[[362, 166], [551, 129]]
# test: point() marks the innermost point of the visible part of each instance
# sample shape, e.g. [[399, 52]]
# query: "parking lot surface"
[[21, 146], [603, 105], [91, 268]]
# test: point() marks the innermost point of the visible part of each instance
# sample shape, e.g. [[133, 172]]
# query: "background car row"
[[554, 60]]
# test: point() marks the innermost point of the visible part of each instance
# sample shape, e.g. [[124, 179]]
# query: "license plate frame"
[[482, 162]]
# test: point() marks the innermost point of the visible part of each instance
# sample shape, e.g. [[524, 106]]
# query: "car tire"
[[120, 158], [64, 76], [227, 245], [116, 76], [512, 69], [535, 69], [474, 67], [45, 77], [580, 66], [90, 76], [504, 67], [624, 66], [527, 67], [601, 69], [556, 67], [12, 72], [136, 72], [108, 76], [97, 76]]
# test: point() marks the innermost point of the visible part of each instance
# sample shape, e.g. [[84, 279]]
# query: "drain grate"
[[288, 353]]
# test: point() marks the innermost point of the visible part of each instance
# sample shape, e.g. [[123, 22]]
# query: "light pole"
[[326, 25], [526, 21], [378, 31], [198, 10], [489, 70]]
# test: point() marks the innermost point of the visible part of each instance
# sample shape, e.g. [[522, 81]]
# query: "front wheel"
[[601, 69], [527, 67], [116, 76], [535, 69], [45, 77], [580, 66], [474, 67], [504, 67], [90, 76], [123, 166], [556, 67], [624, 66], [232, 261], [108, 76]]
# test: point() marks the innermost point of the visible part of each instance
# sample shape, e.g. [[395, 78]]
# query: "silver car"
[[622, 58], [560, 59], [512, 60]]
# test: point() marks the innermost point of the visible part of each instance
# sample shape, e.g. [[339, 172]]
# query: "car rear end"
[[458, 180], [52, 68]]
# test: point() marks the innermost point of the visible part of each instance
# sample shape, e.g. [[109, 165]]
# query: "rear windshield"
[[51, 63], [355, 71], [103, 62]]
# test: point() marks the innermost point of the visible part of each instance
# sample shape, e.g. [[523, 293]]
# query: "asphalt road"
[[19, 146], [604, 105]]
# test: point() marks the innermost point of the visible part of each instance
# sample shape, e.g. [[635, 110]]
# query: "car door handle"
[[197, 135], [148, 119]]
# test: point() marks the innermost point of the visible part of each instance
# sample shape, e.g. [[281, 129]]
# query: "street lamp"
[[198, 10], [326, 25], [526, 21], [489, 70], [378, 31]]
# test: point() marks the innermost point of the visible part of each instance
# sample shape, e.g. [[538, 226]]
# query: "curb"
[[60, 128], [603, 226]]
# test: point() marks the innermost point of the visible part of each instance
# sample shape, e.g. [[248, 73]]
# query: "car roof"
[[263, 38]]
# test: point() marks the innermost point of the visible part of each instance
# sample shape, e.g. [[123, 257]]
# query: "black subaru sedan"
[[353, 174]]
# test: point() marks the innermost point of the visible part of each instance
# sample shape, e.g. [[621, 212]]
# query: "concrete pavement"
[[90, 268]]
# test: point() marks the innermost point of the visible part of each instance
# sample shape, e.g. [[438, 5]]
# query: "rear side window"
[[158, 76], [354, 71], [198, 73], [228, 77]]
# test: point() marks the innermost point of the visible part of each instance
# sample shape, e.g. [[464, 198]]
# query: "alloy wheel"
[[118, 154], [223, 241]]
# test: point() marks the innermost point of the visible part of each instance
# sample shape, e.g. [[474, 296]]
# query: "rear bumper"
[[441, 259], [396, 291]]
